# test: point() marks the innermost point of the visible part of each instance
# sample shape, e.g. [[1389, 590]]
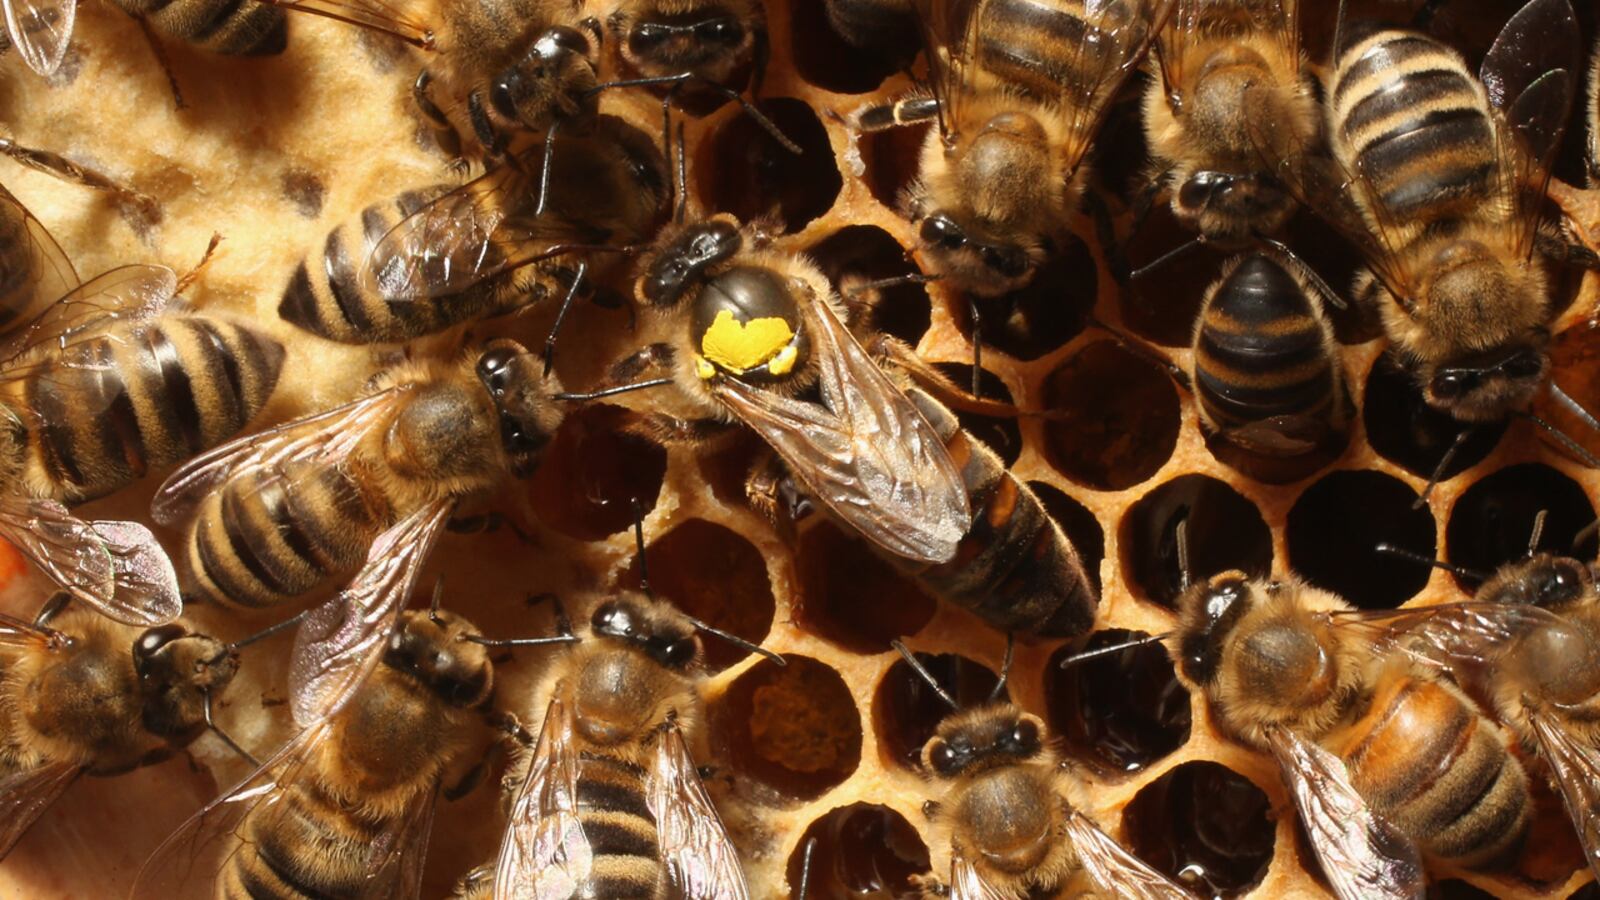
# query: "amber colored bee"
[[435, 258], [282, 513], [712, 42], [81, 694], [1388, 765], [1019, 90], [41, 29], [1224, 64]]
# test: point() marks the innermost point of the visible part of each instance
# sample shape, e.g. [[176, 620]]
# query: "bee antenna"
[[1561, 437], [561, 316], [805, 869], [682, 78], [545, 165], [977, 348], [1566, 402], [611, 391], [1322, 287], [1181, 534], [214, 728], [563, 633], [734, 639], [1139, 347], [1005, 668], [1588, 531], [265, 633], [1086, 655], [433, 602], [638, 544], [683, 180], [1391, 550], [193, 274], [1538, 531], [921, 670], [1437, 474], [1178, 252]]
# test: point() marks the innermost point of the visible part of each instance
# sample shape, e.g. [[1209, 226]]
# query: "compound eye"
[[648, 36], [1522, 365], [1025, 737], [940, 231], [500, 96], [1222, 597], [494, 369], [1451, 385], [151, 642], [1560, 584], [719, 31], [944, 758], [610, 618], [561, 40], [1201, 188], [678, 653]]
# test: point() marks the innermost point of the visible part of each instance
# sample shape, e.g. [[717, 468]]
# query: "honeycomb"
[[271, 153]]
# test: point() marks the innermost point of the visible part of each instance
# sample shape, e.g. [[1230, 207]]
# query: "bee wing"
[[25, 795], [372, 14], [340, 642], [15, 632], [1531, 73], [1112, 867], [123, 294], [1289, 435], [694, 845], [398, 857], [1449, 634], [949, 35], [41, 30], [1576, 767], [324, 437], [116, 567], [1363, 856], [1115, 37], [966, 883], [544, 854], [868, 455], [51, 275]]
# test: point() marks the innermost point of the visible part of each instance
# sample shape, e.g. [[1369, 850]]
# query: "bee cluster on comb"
[[799, 448]]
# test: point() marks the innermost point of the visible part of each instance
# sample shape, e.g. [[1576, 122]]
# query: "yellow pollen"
[[740, 346]]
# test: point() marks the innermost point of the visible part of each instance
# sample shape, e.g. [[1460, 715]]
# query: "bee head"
[[1488, 387], [984, 266], [681, 263], [432, 648], [983, 738], [515, 380], [711, 40], [1208, 612], [649, 627], [554, 78], [1229, 210], [1547, 581], [176, 669]]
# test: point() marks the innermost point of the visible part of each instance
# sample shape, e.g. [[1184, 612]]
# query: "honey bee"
[[41, 29], [1010, 814], [81, 694], [1387, 765], [1019, 90], [435, 258], [675, 42], [609, 801], [1224, 64], [1439, 177], [281, 513]]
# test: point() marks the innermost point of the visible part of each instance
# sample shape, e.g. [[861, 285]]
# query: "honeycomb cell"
[[716, 576], [742, 169], [998, 433], [891, 160], [1456, 889], [828, 61], [1408, 432], [727, 465], [1492, 521], [1161, 305], [593, 471], [1082, 528], [1205, 826], [864, 852], [906, 711], [1034, 320], [1224, 531], [1119, 712], [851, 597], [792, 730], [1334, 530], [1109, 440], [868, 253]]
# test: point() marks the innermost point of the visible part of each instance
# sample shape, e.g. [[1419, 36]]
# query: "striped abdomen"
[[621, 829], [1263, 349], [231, 27], [1015, 567], [1407, 115], [111, 408], [326, 296], [261, 541], [1044, 48], [1431, 764]]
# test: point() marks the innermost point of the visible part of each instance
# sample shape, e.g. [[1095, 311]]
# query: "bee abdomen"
[[231, 27], [111, 408], [304, 846], [328, 298], [265, 540], [1434, 766], [616, 818], [1417, 125]]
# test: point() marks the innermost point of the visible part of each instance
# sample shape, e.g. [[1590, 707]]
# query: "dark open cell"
[[1082, 528], [859, 253], [592, 472], [744, 170], [999, 433], [1492, 521], [851, 597], [906, 710], [793, 730], [1456, 889], [1034, 320], [1573, 403], [1162, 304], [1205, 826], [827, 60], [1224, 531], [1109, 439], [891, 159], [1590, 891], [716, 576], [726, 465], [1408, 432], [1119, 712], [863, 851], [1336, 261], [1334, 530]]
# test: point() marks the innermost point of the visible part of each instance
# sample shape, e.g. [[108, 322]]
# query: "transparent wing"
[[1112, 867], [117, 568], [15, 632], [966, 883], [866, 453], [341, 642], [50, 274], [544, 854], [1576, 767], [145, 584], [326, 437], [41, 30], [24, 796], [123, 294], [372, 14], [1450, 634], [1115, 36], [702, 860], [1363, 856], [949, 35]]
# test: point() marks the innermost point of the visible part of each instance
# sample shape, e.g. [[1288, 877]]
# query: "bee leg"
[[444, 133], [665, 429], [919, 107], [772, 492], [473, 777], [161, 60], [656, 357], [1560, 243], [494, 143], [52, 608], [931, 810], [1105, 229], [141, 210]]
